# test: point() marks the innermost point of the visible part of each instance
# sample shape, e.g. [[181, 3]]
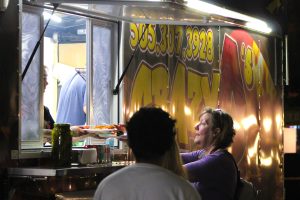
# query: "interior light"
[[254, 23], [3, 5], [259, 27], [55, 18]]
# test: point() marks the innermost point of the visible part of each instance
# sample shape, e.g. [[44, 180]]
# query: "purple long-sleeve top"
[[213, 175]]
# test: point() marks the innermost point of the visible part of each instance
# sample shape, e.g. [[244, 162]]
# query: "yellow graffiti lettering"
[[134, 35], [202, 55], [178, 39], [171, 40], [164, 39], [151, 87], [141, 90], [210, 93], [152, 38], [189, 47], [257, 68], [178, 103], [248, 72], [144, 39], [196, 42], [210, 46], [160, 86], [194, 96]]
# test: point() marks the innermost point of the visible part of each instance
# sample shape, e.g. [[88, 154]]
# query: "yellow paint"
[[144, 39], [134, 35], [210, 47], [185, 94], [141, 90], [210, 93], [164, 38], [160, 85], [178, 98], [171, 40], [194, 94], [248, 71], [178, 39], [152, 38]]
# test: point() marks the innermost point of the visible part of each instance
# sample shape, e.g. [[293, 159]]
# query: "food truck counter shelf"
[[71, 171]]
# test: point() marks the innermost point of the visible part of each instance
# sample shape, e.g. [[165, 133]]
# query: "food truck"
[[180, 55]]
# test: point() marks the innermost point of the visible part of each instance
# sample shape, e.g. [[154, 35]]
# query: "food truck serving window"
[[71, 77]]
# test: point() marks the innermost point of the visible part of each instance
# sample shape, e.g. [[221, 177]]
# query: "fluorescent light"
[[216, 10], [259, 27], [55, 18]]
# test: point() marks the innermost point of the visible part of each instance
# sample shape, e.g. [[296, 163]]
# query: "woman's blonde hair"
[[172, 160]]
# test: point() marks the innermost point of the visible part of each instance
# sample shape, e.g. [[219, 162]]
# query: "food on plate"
[[100, 131], [112, 126]]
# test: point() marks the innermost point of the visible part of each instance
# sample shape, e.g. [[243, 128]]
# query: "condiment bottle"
[[61, 145]]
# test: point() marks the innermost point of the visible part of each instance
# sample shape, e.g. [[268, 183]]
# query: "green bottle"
[[61, 145]]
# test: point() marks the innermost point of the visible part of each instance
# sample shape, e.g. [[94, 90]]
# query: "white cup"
[[88, 156]]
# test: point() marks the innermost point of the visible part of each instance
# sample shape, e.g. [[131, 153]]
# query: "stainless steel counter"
[[71, 171]]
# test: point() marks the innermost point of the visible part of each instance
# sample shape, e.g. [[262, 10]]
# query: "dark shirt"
[[49, 122]]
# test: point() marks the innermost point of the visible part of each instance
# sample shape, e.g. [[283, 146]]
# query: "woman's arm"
[[191, 156], [212, 165]]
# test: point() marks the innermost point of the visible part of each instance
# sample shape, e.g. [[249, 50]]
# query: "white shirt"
[[143, 181]]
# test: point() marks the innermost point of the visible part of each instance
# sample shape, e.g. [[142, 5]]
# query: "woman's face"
[[204, 133]]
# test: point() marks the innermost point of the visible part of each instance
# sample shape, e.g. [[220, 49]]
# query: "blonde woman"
[[212, 169]]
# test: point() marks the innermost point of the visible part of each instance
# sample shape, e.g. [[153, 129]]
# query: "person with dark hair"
[[48, 120], [151, 134], [212, 169]]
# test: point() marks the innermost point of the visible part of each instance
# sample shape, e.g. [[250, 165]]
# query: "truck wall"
[[186, 68], [9, 62]]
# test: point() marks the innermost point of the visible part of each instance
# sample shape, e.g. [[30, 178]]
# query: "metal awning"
[[175, 12]]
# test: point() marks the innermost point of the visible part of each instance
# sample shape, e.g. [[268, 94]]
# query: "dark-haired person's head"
[[150, 132]]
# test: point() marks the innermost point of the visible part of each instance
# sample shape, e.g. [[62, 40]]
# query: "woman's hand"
[[79, 133]]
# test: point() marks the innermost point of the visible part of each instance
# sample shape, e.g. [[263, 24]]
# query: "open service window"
[[71, 76]]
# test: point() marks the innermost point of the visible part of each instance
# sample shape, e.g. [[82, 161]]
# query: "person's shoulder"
[[217, 158], [114, 178], [172, 182], [148, 177], [224, 158], [224, 154], [221, 153]]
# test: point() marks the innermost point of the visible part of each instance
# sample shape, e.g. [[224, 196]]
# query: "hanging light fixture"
[[3, 5], [250, 22]]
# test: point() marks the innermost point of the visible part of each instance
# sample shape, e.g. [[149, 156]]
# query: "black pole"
[[55, 5], [116, 90]]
